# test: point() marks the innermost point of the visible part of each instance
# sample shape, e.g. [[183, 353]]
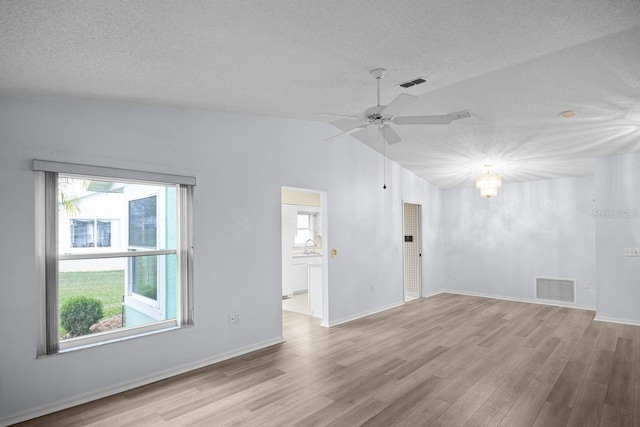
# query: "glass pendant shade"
[[489, 183]]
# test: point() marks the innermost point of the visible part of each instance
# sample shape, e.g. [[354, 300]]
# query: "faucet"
[[306, 246]]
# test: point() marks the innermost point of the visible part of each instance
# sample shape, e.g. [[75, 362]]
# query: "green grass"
[[107, 286]]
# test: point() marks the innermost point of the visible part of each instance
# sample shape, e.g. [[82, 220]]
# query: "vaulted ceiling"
[[515, 65]]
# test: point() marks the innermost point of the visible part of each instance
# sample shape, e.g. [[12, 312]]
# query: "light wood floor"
[[298, 303], [448, 360]]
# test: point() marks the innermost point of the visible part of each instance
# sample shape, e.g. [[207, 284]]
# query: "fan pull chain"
[[384, 161]]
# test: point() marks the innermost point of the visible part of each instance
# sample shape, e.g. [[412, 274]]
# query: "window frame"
[[48, 255], [73, 234], [96, 232], [154, 308], [311, 216]]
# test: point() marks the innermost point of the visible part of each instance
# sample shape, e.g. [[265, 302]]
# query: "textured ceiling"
[[514, 64]]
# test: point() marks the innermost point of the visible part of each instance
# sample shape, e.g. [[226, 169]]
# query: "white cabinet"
[[300, 272], [305, 275], [315, 289], [299, 277]]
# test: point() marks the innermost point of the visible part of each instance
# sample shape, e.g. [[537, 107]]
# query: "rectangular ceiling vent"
[[562, 290], [413, 82]]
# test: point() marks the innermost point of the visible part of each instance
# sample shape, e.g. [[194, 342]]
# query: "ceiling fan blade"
[[347, 124], [349, 132], [431, 120], [341, 115], [390, 135], [424, 120], [401, 102]]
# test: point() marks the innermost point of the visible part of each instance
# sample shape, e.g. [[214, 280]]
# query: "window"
[[142, 222], [117, 253], [150, 289], [89, 233], [143, 271], [305, 229]]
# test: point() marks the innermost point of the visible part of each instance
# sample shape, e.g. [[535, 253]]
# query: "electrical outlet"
[[587, 285], [373, 287], [634, 252]]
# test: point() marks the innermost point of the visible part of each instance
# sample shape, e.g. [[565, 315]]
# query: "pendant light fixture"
[[489, 183]]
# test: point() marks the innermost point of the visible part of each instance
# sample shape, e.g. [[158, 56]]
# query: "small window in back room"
[[89, 233], [305, 229]]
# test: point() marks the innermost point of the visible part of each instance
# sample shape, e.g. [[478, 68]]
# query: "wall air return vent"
[[561, 290], [413, 82]]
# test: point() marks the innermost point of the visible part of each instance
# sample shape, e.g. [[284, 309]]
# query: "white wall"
[[240, 163], [533, 229], [617, 188]]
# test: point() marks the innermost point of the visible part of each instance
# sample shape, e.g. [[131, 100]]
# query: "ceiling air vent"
[[413, 82], [562, 290]]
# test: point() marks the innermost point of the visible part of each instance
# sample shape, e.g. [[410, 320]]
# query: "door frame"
[[420, 257], [325, 245]]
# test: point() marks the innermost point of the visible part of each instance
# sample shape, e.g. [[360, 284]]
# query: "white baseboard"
[[128, 385], [533, 301], [614, 320], [529, 300], [434, 293], [359, 315], [475, 294], [378, 310], [450, 291]]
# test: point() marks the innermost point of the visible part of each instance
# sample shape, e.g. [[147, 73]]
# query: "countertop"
[[306, 255]]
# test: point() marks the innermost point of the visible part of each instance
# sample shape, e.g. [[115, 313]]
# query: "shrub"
[[79, 313]]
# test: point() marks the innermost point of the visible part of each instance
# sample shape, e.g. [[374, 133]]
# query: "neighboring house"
[[119, 217]]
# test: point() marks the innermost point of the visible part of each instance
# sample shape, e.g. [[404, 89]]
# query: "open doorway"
[[412, 251], [303, 251]]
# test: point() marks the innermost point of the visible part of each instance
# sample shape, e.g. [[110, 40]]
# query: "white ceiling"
[[515, 64]]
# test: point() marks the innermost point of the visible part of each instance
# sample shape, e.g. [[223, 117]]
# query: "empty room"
[[311, 213]]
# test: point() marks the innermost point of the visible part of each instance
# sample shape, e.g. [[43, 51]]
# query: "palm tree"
[[68, 200]]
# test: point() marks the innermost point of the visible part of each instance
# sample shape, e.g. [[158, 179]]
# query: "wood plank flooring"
[[448, 360]]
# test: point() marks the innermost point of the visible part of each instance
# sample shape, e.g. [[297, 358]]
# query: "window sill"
[[108, 341]]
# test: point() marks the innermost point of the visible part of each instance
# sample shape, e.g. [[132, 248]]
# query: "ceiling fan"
[[383, 116]]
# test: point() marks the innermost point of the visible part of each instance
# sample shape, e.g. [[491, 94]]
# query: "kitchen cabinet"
[[305, 275], [315, 289], [299, 279]]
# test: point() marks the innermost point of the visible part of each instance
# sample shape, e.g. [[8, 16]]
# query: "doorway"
[[303, 251], [412, 251]]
